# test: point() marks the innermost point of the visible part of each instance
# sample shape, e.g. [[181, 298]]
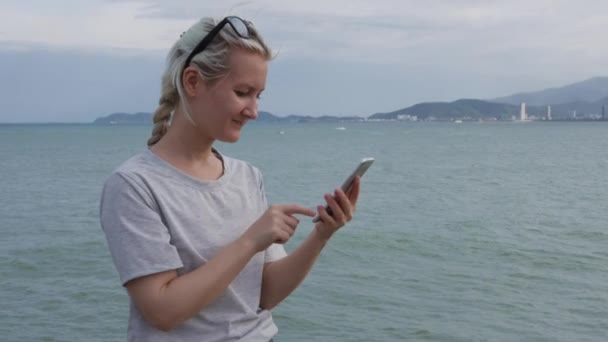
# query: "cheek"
[[225, 105], [219, 106], [233, 105]]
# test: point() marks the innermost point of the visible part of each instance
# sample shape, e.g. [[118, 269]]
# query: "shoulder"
[[144, 167], [133, 173]]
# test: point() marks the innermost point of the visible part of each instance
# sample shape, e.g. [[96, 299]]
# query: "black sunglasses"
[[240, 26]]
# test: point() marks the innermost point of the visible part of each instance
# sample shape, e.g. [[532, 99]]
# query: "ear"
[[192, 81]]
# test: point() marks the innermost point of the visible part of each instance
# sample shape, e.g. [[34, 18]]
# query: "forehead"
[[247, 67]]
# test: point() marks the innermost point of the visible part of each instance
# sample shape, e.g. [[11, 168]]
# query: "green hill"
[[468, 109], [591, 90], [584, 98], [125, 119]]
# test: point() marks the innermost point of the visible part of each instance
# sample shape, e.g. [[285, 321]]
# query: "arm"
[[166, 299], [283, 276]]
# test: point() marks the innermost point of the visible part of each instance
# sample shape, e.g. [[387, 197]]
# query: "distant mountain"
[[125, 119], [467, 109], [585, 99], [146, 118], [461, 109], [266, 116], [324, 118], [590, 90], [566, 110]]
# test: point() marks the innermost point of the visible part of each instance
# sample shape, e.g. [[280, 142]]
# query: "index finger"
[[291, 209]]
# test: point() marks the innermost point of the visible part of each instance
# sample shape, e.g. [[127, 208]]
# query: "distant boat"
[[457, 121], [341, 128], [281, 132]]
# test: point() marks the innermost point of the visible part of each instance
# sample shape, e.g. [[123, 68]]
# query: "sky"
[[76, 60]]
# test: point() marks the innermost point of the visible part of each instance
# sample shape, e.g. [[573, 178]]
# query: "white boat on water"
[[341, 128]]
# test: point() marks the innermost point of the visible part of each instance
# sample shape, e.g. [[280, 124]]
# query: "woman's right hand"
[[276, 225]]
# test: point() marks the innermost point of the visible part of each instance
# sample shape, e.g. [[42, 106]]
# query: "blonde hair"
[[212, 62]]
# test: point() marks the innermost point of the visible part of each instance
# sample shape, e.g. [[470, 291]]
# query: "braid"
[[162, 115]]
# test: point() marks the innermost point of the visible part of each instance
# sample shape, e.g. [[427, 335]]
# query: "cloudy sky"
[[75, 60]]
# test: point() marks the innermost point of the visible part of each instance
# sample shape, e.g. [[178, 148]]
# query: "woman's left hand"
[[342, 206]]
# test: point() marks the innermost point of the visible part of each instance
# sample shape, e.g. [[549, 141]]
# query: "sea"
[[463, 232]]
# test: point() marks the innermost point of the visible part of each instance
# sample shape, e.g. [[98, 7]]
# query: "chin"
[[230, 138]]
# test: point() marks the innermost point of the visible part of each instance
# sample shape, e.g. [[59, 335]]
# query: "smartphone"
[[360, 170]]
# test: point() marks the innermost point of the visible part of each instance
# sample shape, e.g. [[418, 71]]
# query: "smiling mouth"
[[239, 123]]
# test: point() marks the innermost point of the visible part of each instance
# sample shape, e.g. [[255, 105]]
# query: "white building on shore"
[[523, 116]]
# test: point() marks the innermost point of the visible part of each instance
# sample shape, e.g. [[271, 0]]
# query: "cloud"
[[335, 57], [411, 32], [390, 31], [102, 25]]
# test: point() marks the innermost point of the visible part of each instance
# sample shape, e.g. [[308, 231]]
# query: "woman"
[[190, 232]]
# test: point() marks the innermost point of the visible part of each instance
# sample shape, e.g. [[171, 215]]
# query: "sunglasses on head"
[[240, 26]]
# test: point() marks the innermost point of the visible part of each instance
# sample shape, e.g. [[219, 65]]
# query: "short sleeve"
[[275, 251], [138, 240]]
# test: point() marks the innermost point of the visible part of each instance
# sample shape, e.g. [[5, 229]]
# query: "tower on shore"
[[523, 116], [604, 112], [548, 112]]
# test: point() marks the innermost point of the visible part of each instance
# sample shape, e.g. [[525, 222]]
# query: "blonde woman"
[[189, 229]]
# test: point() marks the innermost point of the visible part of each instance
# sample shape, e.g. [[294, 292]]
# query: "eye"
[[240, 93]]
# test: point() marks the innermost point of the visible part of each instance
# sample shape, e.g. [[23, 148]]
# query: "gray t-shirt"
[[157, 218]]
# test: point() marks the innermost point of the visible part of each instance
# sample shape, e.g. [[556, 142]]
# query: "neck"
[[185, 142], [187, 148]]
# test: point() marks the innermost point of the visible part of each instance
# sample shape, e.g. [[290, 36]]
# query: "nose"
[[251, 111]]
